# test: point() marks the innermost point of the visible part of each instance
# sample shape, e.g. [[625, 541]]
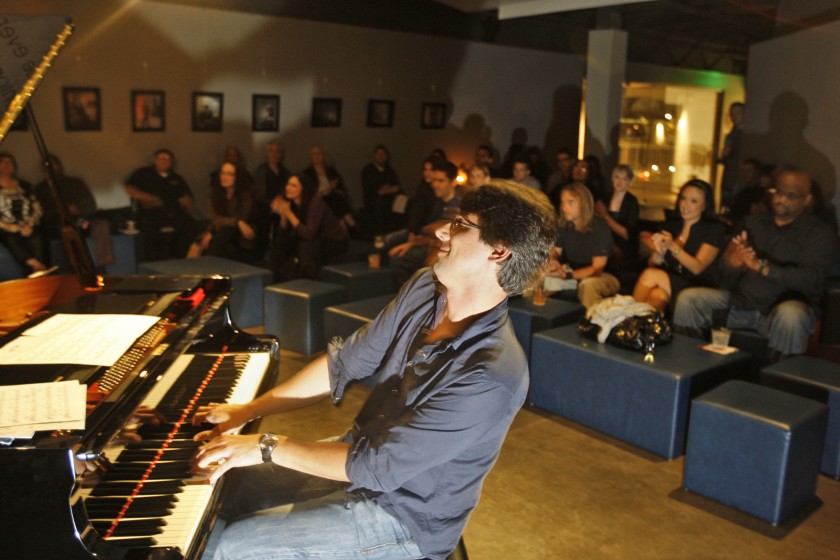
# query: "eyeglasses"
[[790, 195], [460, 222]]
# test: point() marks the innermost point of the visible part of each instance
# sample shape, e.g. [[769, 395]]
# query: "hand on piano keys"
[[226, 417], [227, 452]]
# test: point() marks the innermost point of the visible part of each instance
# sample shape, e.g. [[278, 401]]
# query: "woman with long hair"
[[233, 232], [682, 254], [308, 232], [584, 244]]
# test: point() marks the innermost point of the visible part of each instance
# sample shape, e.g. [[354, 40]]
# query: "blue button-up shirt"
[[434, 424]]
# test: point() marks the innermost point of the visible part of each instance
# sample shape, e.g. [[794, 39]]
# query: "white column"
[[606, 60]]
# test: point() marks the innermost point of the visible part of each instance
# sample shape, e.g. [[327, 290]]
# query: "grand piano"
[[121, 488]]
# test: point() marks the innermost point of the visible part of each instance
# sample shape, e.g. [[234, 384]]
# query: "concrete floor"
[[563, 491]]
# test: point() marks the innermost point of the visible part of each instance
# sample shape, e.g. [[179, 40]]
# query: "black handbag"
[[642, 332]]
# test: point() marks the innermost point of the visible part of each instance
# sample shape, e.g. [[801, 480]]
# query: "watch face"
[[267, 444]]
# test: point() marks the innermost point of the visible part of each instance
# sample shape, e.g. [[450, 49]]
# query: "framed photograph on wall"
[[433, 115], [265, 113], [82, 108], [380, 113], [326, 112], [148, 111], [207, 111]]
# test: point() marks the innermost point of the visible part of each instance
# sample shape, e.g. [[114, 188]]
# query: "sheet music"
[[97, 340], [41, 406]]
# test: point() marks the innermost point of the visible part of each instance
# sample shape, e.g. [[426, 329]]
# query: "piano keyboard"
[[166, 505]]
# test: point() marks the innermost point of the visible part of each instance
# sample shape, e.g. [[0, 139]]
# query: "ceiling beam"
[[509, 9]]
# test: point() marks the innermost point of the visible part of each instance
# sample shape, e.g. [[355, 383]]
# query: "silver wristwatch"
[[268, 442]]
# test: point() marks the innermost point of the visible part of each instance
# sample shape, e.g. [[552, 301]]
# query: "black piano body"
[[44, 501]]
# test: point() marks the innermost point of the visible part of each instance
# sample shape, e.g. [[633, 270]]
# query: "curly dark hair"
[[520, 218]]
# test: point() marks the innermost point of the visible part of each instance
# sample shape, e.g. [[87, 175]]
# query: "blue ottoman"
[[616, 392], [248, 281], [755, 448], [815, 379], [294, 311], [528, 318], [362, 282], [345, 319]]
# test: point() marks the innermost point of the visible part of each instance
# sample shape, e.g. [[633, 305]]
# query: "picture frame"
[[433, 115], [207, 111], [82, 109], [148, 111], [265, 113], [380, 113], [326, 112]]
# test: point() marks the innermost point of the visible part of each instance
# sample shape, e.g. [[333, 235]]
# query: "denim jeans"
[[309, 518], [787, 326]]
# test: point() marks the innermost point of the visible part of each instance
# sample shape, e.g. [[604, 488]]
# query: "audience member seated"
[[330, 186], [80, 203], [380, 187], [478, 176], [621, 214], [583, 246], [270, 177], [522, 172], [308, 231], [593, 176], [233, 155], [20, 214], [234, 229], [754, 197], [684, 252], [772, 273], [421, 247], [484, 156], [563, 173], [164, 205], [536, 164]]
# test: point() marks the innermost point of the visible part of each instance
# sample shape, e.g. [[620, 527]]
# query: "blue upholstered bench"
[[362, 282], [528, 318], [246, 303], [816, 379], [294, 311], [616, 392], [755, 448]]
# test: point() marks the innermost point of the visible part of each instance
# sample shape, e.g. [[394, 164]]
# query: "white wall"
[[119, 46], [792, 116]]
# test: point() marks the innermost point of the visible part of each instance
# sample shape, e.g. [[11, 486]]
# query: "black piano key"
[[131, 527], [140, 542], [171, 469], [105, 488], [147, 455]]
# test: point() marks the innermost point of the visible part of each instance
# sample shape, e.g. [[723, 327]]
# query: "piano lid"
[[28, 45]]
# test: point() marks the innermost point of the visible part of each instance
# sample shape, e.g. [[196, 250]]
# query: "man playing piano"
[[451, 377]]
